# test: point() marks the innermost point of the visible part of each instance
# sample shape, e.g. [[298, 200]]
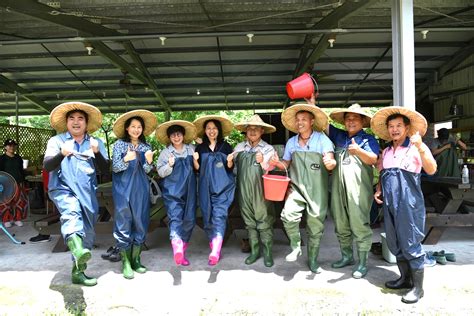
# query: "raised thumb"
[[353, 141]]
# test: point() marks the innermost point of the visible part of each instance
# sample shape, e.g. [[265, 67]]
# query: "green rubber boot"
[[80, 254], [136, 264], [126, 266], [313, 265], [360, 270], [79, 277], [295, 244], [254, 247], [266, 235], [346, 260]]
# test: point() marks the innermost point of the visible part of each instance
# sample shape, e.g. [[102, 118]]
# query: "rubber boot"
[[126, 266], [135, 262], [216, 245], [416, 293], [346, 260], [405, 280], [178, 251], [313, 265], [80, 254], [79, 277], [360, 270], [266, 235], [254, 247], [185, 262], [295, 244]]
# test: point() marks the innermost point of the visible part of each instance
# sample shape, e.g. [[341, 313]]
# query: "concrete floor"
[[34, 281]]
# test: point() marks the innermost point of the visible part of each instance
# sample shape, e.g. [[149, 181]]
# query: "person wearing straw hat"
[[178, 184], [252, 159], [132, 159], [400, 186], [352, 188], [214, 161], [309, 156], [70, 159]]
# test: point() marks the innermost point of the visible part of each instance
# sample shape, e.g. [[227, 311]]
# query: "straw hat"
[[338, 115], [58, 119], [256, 120], [189, 131], [288, 117], [379, 125], [227, 125], [148, 118]]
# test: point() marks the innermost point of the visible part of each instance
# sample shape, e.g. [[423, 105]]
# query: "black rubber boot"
[[268, 253], [313, 259], [254, 247], [405, 280], [416, 293], [346, 260]]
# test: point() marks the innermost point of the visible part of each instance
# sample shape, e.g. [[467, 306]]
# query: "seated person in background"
[[12, 163], [444, 151]]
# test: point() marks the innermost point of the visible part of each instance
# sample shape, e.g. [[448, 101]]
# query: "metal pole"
[[403, 54], [17, 132]]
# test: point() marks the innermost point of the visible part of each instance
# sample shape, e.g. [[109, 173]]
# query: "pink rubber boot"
[[185, 261], [216, 245], [178, 252]]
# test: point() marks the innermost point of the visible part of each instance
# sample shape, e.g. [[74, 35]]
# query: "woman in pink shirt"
[[400, 185]]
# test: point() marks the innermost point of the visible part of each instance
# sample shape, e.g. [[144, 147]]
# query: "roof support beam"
[[13, 87]]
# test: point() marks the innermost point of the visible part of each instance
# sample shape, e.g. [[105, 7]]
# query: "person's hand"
[[353, 148], [149, 156], [131, 155], [274, 160], [196, 156], [416, 140], [378, 196], [259, 157], [230, 158], [171, 160], [328, 162], [94, 145], [66, 149], [198, 140], [311, 100]]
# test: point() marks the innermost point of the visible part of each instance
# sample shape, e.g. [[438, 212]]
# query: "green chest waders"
[[351, 201], [308, 192], [257, 213]]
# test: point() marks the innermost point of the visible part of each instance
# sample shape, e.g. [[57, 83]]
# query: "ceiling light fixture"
[[247, 91], [198, 92], [250, 36], [89, 48], [424, 33], [163, 39], [331, 40]]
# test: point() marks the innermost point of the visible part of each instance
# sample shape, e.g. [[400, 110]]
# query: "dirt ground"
[[35, 281]]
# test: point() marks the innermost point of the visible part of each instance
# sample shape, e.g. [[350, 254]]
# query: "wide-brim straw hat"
[[58, 120], [379, 121], [148, 118], [189, 131], [338, 115], [288, 117], [227, 124], [255, 120]]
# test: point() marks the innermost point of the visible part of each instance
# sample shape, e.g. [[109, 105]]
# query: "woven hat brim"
[[227, 125], [267, 128], [189, 131], [338, 116], [379, 126], [288, 117], [148, 118], [58, 120]]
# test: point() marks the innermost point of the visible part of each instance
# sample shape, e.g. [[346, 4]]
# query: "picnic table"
[[446, 195]]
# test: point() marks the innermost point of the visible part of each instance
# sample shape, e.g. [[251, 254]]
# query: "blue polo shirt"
[[318, 142], [341, 139]]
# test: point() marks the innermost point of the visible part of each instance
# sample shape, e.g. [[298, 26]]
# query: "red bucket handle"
[[286, 170]]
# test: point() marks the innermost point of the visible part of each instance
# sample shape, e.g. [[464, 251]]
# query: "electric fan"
[[8, 188]]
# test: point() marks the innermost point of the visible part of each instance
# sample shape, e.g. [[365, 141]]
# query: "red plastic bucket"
[[301, 87], [275, 186]]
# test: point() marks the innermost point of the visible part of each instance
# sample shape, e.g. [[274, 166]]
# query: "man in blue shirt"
[[309, 155], [70, 159], [352, 188]]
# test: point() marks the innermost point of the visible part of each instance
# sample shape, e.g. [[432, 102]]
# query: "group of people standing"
[[210, 173]]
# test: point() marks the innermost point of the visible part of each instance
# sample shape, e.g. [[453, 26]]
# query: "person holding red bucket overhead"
[[352, 187], [251, 159], [216, 185], [309, 156], [302, 87], [400, 185]]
